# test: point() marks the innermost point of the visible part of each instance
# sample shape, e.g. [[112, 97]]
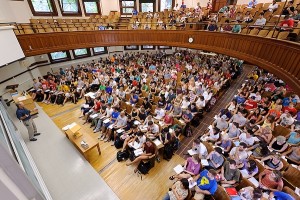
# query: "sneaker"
[[107, 140], [95, 130], [112, 143], [102, 138], [33, 139]]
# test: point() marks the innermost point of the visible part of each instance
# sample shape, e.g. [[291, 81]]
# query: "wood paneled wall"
[[281, 58]]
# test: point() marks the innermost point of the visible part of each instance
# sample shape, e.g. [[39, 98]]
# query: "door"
[[217, 4]]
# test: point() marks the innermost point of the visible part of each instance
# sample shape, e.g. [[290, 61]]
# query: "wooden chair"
[[253, 32], [280, 130], [128, 108], [283, 35], [244, 183], [272, 34], [245, 31], [290, 192], [263, 33], [291, 177], [221, 194]]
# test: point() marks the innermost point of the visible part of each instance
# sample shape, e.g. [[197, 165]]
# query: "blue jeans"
[[99, 124], [166, 197]]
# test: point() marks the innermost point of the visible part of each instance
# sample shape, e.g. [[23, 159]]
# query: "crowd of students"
[[242, 143], [136, 99]]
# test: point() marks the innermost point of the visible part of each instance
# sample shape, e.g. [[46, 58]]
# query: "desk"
[[87, 138], [27, 101]]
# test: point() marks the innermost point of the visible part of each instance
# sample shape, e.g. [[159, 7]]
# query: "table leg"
[[98, 147]]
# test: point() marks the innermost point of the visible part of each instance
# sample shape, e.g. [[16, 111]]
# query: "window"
[[91, 7], [59, 56], [165, 4], [70, 7], [42, 7], [147, 5], [148, 47], [164, 47], [81, 53], [132, 47], [127, 6], [99, 50]]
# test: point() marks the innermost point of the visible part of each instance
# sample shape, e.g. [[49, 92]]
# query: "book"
[[138, 152], [94, 116], [85, 105], [111, 126], [231, 191], [137, 122], [134, 145], [178, 169]]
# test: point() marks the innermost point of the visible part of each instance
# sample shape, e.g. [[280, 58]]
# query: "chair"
[[221, 194], [263, 33], [49, 30], [283, 35], [280, 130], [272, 34], [244, 31], [290, 192], [244, 183], [80, 28], [291, 177], [253, 31], [73, 29], [34, 21]]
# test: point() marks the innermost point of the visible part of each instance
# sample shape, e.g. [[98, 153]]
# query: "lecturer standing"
[[24, 115]]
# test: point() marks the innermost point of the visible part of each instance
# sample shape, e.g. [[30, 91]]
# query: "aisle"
[[209, 117]]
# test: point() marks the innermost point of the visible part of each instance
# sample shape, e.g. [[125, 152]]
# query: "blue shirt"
[[22, 112], [115, 115], [292, 139], [136, 97], [285, 101], [204, 183], [152, 67], [282, 196]]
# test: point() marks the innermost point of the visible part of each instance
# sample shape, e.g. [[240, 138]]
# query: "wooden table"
[[87, 138], [27, 101]]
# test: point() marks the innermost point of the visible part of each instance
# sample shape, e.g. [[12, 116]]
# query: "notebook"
[[192, 152], [138, 152], [204, 162], [231, 191], [192, 183]]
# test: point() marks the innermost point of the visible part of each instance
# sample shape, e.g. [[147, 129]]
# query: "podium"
[[27, 101]]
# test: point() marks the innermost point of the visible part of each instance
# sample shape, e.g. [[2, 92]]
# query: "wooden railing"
[[281, 58]]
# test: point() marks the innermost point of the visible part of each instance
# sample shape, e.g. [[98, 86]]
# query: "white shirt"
[[154, 129], [242, 154], [108, 112], [260, 22], [185, 104], [160, 113], [201, 149], [200, 103], [121, 121], [249, 141], [272, 7], [176, 8]]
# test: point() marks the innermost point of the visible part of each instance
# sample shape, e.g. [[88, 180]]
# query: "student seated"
[[250, 193], [293, 155], [134, 136], [206, 184], [148, 149], [179, 190], [272, 162], [270, 180], [230, 174], [191, 168], [215, 159]]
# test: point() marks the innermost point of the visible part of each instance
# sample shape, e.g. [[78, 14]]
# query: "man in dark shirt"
[[24, 115]]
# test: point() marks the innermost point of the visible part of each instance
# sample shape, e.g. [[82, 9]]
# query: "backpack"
[[144, 167], [188, 131], [131, 156], [168, 152], [60, 99], [240, 100], [122, 155], [196, 120], [118, 143]]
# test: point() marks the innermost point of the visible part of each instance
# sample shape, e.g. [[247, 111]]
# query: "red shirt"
[[287, 23], [250, 104], [168, 119], [293, 110], [97, 106]]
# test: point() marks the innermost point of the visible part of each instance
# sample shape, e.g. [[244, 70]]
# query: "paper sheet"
[[138, 152], [204, 162], [191, 183], [134, 145], [106, 121], [85, 105], [178, 169], [157, 142], [94, 116], [192, 152], [21, 98], [137, 122], [120, 130], [111, 126]]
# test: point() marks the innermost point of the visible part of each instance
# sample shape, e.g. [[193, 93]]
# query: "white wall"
[[240, 2], [6, 14]]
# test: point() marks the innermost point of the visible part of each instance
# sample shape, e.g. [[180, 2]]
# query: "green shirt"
[[102, 87], [236, 28]]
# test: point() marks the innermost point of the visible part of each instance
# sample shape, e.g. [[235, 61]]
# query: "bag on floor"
[[131, 156], [195, 121], [144, 168], [60, 99], [122, 155], [118, 143], [168, 152], [188, 131]]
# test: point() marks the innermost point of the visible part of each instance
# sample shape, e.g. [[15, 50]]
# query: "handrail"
[[22, 154]]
